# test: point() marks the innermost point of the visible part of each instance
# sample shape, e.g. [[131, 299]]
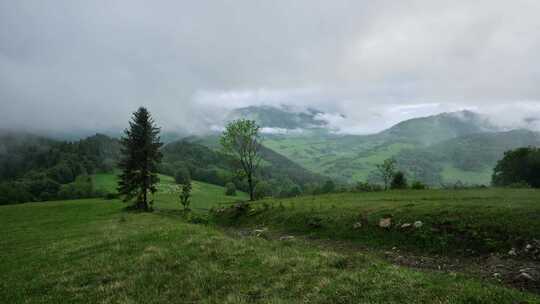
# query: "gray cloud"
[[83, 65]]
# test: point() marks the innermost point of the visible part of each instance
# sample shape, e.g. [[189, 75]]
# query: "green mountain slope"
[[436, 149], [469, 158], [208, 164]]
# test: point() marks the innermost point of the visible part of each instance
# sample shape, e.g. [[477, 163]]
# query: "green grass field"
[[91, 251]]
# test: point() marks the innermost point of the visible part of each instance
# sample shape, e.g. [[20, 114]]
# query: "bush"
[[417, 185], [182, 176], [14, 193], [111, 196], [185, 196], [328, 187], [262, 190], [294, 191], [519, 185], [399, 181], [230, 189]]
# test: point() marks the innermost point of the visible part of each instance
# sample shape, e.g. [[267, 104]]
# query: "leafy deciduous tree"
[[386, 171], [519, 166], [241, 139]]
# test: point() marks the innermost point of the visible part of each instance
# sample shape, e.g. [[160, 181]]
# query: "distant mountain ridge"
[[436, 128], [435, 149]]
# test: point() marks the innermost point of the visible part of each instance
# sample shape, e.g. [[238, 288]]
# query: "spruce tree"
[[140, 157]]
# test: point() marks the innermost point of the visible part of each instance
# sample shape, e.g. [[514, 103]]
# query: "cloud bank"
[[86, 65]]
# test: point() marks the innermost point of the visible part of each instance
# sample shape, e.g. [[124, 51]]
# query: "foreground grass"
[[90, 251], [463, 221]]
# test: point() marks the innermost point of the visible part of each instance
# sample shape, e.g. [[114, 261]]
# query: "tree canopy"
[[241, 139], [518, 166], [140, 159]]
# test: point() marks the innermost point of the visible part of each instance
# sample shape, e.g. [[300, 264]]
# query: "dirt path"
[[501, 269]]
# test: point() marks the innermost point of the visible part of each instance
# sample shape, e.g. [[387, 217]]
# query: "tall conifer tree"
[[140, 157]]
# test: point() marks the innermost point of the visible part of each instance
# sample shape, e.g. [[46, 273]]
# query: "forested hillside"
[[279, 174], [34, 168]]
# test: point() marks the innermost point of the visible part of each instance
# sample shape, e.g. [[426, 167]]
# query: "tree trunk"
[[145, 202], [251, 190]]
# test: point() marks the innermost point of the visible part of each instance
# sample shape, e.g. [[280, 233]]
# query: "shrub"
[[417, 185], [519, 185], [328, 187], [294, 191], [185, 196], [230, 189], [111, 196], [182, 176], [399, 181], [262, 190]]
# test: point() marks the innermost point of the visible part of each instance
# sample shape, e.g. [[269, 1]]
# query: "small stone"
[[260, 232], [528, 247], [496, 275], [286, 238], [525, 277], [512, 252], [357, 225], [385, 222], [418, 224], [406, 225]]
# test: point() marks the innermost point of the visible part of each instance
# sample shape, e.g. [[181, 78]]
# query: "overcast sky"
[[86, 65]]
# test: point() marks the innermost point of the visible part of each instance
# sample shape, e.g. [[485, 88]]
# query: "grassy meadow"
[[91, 251], [94, 251]]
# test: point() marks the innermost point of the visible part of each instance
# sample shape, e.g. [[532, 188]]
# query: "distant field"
[[90, 251], [349, 161], [452, 174], [454, 221], [204, 195]]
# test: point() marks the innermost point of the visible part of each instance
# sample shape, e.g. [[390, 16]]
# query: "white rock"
[[286, 238], [406, 225], [357, 225], [512, 252], [418, 224], [260, 232], [525, 277], [385, 222]]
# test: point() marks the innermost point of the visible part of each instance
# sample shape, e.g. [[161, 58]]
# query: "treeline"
[[278, 176], [518, 168], [33, 168]]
